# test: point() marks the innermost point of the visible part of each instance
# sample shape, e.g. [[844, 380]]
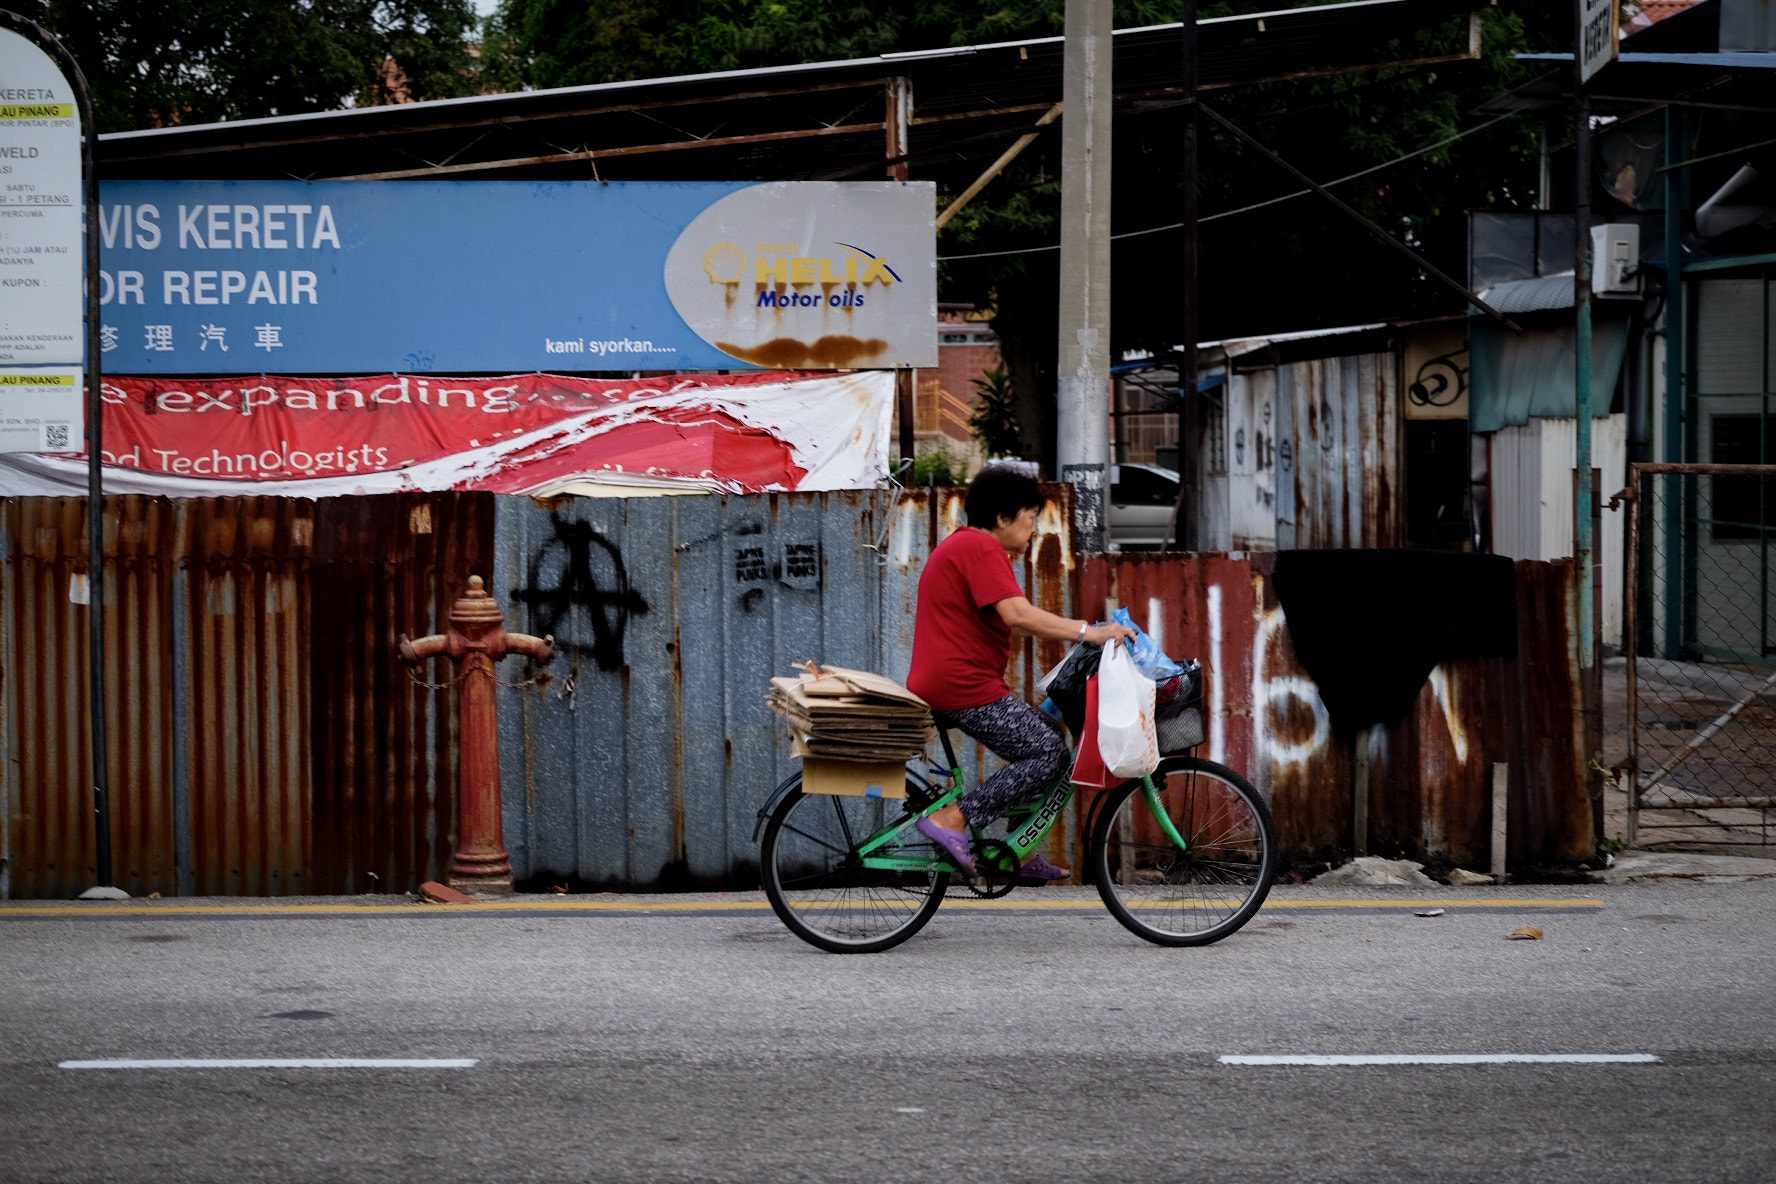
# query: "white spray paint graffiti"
[[1277, 691], [1217, 691], [1458, 733]]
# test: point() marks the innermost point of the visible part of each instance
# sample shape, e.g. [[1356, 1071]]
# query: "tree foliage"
[[994, 421], [156, 63], [548, 43]]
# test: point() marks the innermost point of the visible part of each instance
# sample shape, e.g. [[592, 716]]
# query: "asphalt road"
[[1001, 1044]]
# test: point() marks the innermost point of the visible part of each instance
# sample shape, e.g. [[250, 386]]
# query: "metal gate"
[[1701, 653]]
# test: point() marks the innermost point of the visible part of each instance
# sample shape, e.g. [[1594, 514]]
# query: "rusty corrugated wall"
[[1339, 484], [46, 779], [642, 762], [1429, 777], [384, 748], [263, 740]]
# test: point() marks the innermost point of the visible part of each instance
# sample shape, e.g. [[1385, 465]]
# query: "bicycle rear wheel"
[[1194, 896], [817, 883]]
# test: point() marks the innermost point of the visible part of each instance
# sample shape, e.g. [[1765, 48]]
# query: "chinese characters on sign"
[[443, 276]]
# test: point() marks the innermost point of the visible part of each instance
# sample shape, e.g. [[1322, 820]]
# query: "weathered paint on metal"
[[46, 823], [644, 762], [1429, 777], [1345, 455], [248, 639], [262, 740], [384, 795], [268, 742]]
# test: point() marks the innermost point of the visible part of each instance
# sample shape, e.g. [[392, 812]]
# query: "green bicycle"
[[1182, 857]]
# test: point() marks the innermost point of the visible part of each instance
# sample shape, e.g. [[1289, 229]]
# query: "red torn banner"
[[531, 433]]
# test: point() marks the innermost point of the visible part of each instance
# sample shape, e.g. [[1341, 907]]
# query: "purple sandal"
[[1037, 870], [954, 843]]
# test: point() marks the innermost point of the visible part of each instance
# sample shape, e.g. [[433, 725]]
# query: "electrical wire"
[[1254, 206]]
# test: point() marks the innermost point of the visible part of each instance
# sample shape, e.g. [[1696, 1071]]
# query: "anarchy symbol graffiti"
[[579, 585]]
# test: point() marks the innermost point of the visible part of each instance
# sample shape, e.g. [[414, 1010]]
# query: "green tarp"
[[1515, 377]]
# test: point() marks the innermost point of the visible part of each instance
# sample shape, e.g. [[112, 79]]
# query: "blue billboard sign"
[[290, 277]]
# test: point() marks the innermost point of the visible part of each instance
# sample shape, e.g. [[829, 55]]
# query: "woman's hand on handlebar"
[[1104, 634]]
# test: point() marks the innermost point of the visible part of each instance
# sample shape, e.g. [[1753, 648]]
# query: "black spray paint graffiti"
[[796, 565], [1440, 381], [580, 569]]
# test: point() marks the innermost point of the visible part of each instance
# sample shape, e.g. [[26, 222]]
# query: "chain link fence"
[[1701, 656]]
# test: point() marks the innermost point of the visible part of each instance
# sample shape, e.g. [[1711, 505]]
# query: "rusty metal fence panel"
[[641, 760], [1426, 781], [1339, 479], [1701, 655], [46, 779], [263, 740], [383, 745]]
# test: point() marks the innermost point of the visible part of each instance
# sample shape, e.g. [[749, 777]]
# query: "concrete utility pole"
[[1083, 390]]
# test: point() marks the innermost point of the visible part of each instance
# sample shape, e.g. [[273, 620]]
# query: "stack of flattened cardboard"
[[852, 715]]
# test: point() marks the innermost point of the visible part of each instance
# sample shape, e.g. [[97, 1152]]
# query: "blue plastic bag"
[[1150, 660]]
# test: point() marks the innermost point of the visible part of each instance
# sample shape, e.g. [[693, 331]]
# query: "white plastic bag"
[[1126, 737]]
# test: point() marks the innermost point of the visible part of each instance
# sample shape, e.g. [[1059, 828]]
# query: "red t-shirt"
[[960, 644]]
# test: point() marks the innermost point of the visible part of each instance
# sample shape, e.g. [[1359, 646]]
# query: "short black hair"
[[1000, 491]]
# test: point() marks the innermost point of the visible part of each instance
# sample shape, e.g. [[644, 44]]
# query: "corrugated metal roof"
[[751, 124], [1234, 346], [1544, 293]]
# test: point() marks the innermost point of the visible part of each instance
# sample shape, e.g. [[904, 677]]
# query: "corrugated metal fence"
[[1428, 778], [262, 741], [265, 741], [642, 761]]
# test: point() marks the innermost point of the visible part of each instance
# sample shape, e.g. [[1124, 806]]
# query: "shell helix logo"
[[777, 271]]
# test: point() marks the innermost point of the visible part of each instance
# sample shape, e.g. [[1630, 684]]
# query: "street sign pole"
[[1594, 47], [75, 81], [1082, 414]]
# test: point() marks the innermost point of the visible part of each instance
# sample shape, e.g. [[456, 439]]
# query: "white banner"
[[42, 296]]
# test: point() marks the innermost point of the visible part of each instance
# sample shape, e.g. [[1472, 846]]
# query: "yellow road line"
[[704, 906]]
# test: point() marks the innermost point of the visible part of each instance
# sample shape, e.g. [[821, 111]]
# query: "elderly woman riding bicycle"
[[970, 604]]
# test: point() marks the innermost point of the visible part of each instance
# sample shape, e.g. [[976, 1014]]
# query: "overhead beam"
[[484, 166], [998, 166]]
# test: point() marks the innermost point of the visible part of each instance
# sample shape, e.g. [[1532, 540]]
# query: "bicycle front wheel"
[[1204, 891], [817, 883]]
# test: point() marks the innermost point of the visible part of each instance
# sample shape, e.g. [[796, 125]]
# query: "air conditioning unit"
[[1615, 259]]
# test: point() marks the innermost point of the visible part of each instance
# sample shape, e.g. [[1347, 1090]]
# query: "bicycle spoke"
[[818, 882], [835, 848], [1201, 892]]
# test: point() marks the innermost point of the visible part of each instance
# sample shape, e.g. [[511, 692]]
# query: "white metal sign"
[[813, 275], [42, 297], [1597, 36]]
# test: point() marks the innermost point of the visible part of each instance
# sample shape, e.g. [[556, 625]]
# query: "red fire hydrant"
[[477, 639]]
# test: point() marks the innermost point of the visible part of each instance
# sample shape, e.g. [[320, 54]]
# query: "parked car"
[[1141, 501]]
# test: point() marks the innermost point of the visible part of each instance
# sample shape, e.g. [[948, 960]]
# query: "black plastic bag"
[[1067, 687]]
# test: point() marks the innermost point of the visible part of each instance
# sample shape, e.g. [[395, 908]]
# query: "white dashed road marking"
[[1451, 1058], [276, 1063]]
